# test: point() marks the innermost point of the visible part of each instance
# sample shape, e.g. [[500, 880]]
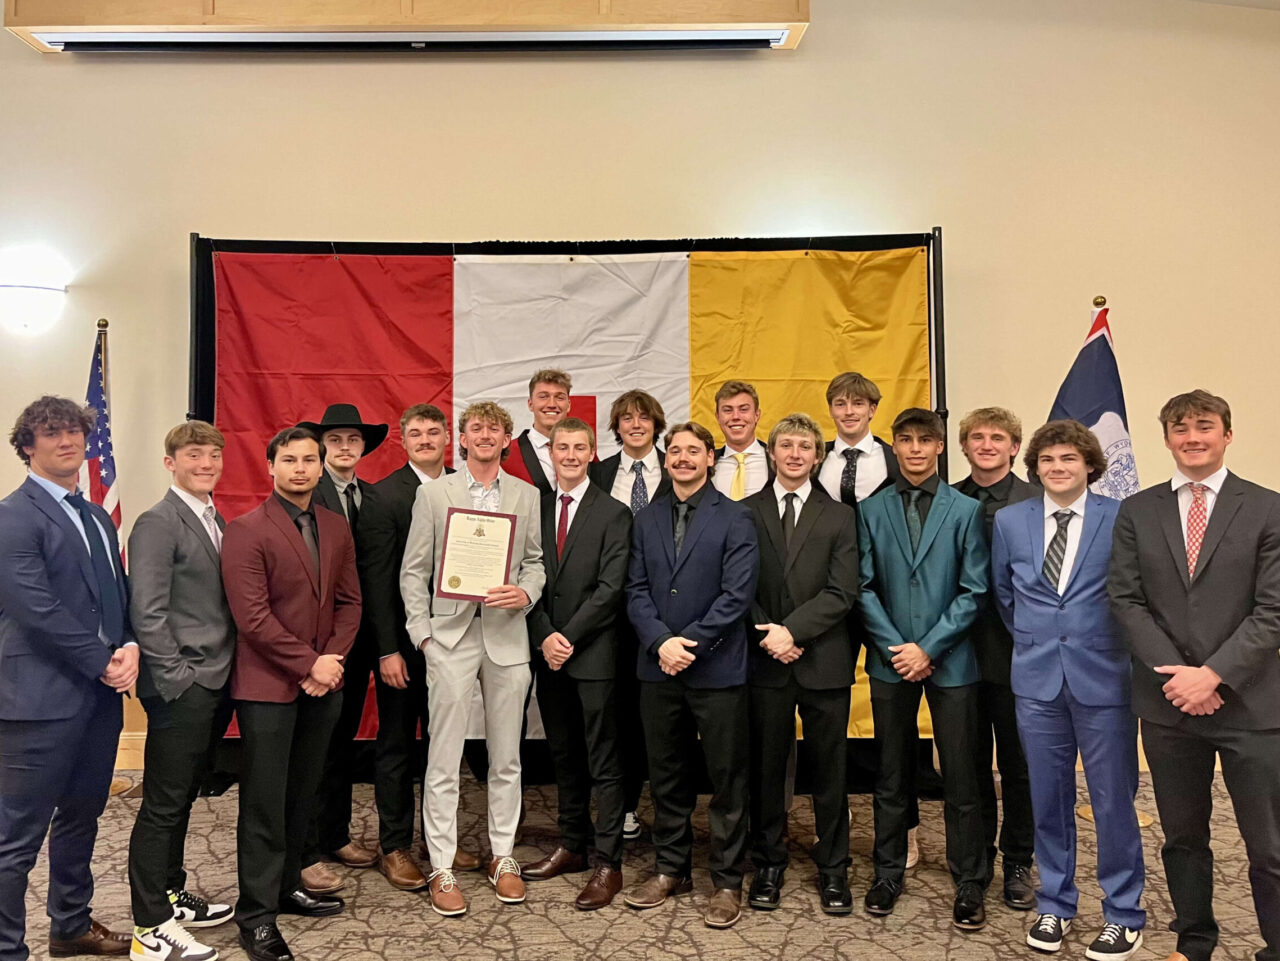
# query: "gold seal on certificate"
[[476, 554]]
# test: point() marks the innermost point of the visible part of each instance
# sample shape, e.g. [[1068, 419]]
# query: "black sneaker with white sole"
[[192, 911], [1047, 932], [1114, 943]]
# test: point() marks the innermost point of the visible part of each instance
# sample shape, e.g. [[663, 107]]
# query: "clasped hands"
[[911, 662], [325, 675], [673, 656], [1192, 690], [779, 642], [122, 669]]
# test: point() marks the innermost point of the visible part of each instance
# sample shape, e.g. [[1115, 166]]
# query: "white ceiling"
[[1263, 4]]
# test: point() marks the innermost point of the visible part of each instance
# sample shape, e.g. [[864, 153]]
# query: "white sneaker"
[[192, 911], [631, 826], [913, 848], [168, 942], [1114, 943]]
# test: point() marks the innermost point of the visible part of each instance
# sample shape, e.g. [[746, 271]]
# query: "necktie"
[[639, 490], [914, 527], [211, 525], [738, 489], [562, 528], [1197, 520], [103, 572], [682, 524], [1052, 568], [849, 477], [788, 517], [353, 511], [306, 524]]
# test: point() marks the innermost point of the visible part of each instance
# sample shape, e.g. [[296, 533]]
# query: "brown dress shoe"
[[656, 890], [462, 860], [355, 856], [97, 940], [319, 879], [398, 868], [504, 875], [446, 899], [724, 908], [600, 890], [560, 861]]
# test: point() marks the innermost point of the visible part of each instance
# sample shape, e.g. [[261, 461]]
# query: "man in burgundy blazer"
[[289, 569]]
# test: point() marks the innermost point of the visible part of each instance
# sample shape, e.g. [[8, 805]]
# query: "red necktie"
[[562, 529], [1197, 519]]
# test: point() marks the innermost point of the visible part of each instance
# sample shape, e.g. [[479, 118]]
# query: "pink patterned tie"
[[1197, 517]]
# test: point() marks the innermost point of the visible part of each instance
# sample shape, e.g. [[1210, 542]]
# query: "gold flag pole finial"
[[102, 323], [1098, 301]]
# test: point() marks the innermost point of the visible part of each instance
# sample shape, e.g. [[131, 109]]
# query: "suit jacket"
[[808, 588], [582, 598], [930, 598], [380, 539], [703, 595], [523, 463], [327, 495], [991, 640], [720, 456], [51, 657], [604, 472], [1069, 638], [506, 636], [287, 616], [178, 608], [1227, 618]]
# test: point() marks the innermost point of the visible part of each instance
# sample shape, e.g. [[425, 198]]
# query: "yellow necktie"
[[738, 489]]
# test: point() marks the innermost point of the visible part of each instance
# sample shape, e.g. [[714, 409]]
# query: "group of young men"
[[677, 606]]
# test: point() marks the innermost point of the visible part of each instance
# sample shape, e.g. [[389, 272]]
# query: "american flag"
[[98, 472]]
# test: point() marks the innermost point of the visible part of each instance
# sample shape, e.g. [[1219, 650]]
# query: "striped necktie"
[[1052, 568]]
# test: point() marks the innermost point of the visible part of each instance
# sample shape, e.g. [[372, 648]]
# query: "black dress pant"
[[1182, 762], [180, 735], [582, 732], [955, 717], [631, 750], [399, 758], [677, 721], [997, 718], [282, 753], [825, 715]]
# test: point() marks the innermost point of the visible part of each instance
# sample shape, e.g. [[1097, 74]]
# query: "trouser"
[[677, 719], [997, 720], [582, 732], [1182, 761], [451, 678], [1107, 740], [825, 715], [55, 777], [282, 754], [631, 750], [398, 758], [894, 707], [180, 735]]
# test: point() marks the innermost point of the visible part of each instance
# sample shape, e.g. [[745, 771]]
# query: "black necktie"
[[103, 572], [682, 524], [306, 524], [788, 517], [353, 511], [639, 489], [849, 477], [1053, 557]]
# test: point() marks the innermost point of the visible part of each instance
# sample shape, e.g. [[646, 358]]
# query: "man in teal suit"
[[925, 576]]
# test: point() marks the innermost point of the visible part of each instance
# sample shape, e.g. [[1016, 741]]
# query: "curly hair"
[[698, 431], [489, 411], [49, 413], [1069, 433]]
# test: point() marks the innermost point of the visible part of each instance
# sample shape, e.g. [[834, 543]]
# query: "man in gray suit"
[[466, 640], [1195, 585], [187, 638]]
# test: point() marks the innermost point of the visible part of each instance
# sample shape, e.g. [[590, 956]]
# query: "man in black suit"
[[346, 439], [744, 459], [530, 458], [635, 476], [808, 583], [1195, 585], [572, 634], [990, 438]]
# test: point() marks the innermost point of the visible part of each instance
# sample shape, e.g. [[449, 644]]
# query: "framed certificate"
[[476, 554]]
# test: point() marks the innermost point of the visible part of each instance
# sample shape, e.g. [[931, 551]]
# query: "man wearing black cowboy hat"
[[346, 439]]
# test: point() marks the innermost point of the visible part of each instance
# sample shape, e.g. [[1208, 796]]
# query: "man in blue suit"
[[66, 655], [1070, 678], [925, 576], [691, 582]]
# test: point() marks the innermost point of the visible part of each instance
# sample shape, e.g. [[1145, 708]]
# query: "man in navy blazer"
[[1070, 677], [66, 655], [691, 582]]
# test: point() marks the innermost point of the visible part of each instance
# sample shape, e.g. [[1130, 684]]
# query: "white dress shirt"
[[756, 466], [542, 447], [625, 479], [802, 495], [577, 495], [1074, 527], [424, 478], [199, 507], [1182, 484], [872, 470]]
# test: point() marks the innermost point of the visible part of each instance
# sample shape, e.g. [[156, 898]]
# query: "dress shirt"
[[929, 489], [342, 486], [294, 512], [1182, 484], [198, 507], [756, 466], [693, 501], [482, 498], [802, 495], [542, 447], [626, 476], [577, 494], [424, 478], [1074, 527], [872, 470]]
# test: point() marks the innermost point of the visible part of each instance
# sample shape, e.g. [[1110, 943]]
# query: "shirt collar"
[[1214, 481], [538, 439], [292, 509], [193, 502], [694, 499], [577, 493], [751, 451], [423, 478], [999, 490], [1076, 506], [929, 485], [802, 492], [649, 460], [56, 491], [865, 446], [338, 482], [472, 482]]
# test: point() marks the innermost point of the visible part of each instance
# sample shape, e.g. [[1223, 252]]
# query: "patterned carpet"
[[384, 923]]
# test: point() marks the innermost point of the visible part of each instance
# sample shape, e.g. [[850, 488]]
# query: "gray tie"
[[1052, 568], [914, 527], [211, 524], [306, 524], [682, 524]]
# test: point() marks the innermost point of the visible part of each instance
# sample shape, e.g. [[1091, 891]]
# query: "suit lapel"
[[666, 526], [697, 524], [1035, 528], [534, 466], [1092, 524], [773, 524], [194, 524], [53, 510], [289, 530], [1224, 510], [933, 523], [1171, 523], [813, 506], [898, 521], [580, 517]]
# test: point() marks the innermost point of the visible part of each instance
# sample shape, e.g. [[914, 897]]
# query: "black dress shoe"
[[264, 943], [1019, 892], [766, 888], [310, 905], [969, 913], [833, 888], [882, 896]]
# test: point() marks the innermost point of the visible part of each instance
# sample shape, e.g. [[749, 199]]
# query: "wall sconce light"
[[33, 288]]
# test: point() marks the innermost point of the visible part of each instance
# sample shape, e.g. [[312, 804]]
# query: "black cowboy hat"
[[339, 416]]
